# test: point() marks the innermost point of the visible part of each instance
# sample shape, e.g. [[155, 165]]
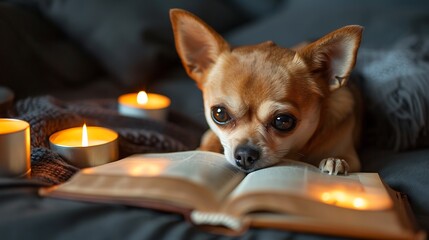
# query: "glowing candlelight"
[[352, 198], [359, 203], [147, 168], [133, 166], [86, 146], [353, 192], [84, 136], [14, 148], [144, 105], [142, 98], [343, 199]]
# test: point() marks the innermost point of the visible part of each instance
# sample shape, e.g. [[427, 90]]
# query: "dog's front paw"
[[334, 166], [210, 142]]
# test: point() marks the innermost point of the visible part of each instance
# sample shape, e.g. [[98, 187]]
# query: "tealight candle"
[[86, 146], [14, 148], [144, 105]]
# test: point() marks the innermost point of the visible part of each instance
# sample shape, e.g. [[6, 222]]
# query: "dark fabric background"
[[133, 39], [36, 58]]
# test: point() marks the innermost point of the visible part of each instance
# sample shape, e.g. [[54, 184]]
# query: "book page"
[[290, 176], [193, 178], [203, 168], [208, 169], [293, 182]]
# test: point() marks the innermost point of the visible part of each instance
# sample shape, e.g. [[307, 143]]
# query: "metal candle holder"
[[156, 108], [102, 147], [14, 148]]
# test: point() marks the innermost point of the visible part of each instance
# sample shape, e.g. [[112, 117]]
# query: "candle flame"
[[142, 97], [84, 136]]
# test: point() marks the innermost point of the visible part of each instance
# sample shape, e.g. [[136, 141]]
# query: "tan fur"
[[257, 83]]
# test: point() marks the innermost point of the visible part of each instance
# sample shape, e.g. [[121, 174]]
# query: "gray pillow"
[[395, 84], [37, 58], [133, 38]]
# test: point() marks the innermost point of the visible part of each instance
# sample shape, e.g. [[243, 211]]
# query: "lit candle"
[[14, 148], [144, 105], [86, 146]]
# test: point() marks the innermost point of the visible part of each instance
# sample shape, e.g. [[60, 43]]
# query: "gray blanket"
[[395, 85]]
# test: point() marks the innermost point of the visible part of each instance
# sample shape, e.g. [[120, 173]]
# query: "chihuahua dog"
[[265, 103]]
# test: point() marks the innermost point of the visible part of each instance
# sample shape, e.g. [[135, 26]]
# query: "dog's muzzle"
[[246, 155]]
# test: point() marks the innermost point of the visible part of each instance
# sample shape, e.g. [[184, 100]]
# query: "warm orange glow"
[[142, 98], [86, 146], [88, 170], [340, 196], [363, 192], [326, 197], [135, 166], [153, 101], [344, 199], [9, 125], [84, 136], [147, 169], [359, 203]]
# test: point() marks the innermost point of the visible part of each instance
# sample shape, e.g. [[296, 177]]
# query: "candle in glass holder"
[[144, 105], [14, 148], [86, 146]]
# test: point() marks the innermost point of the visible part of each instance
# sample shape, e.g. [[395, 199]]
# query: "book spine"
[[216, 219]]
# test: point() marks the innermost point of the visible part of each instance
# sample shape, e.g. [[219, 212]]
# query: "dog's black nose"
[[246, 156]]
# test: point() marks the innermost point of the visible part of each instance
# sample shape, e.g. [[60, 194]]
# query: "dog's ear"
[[334, 55], [197, 43]]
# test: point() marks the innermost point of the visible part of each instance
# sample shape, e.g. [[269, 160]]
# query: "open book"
[[211, 192]]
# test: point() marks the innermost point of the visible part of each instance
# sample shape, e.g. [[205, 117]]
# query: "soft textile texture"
[[36, 57], [48, 115], [133, 39], [395, 85]]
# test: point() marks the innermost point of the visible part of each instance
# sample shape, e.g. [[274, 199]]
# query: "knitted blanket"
[[395, 85], [47, 115]]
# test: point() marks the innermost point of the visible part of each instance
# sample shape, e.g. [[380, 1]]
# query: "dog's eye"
[[284, 122], [220, 115]]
